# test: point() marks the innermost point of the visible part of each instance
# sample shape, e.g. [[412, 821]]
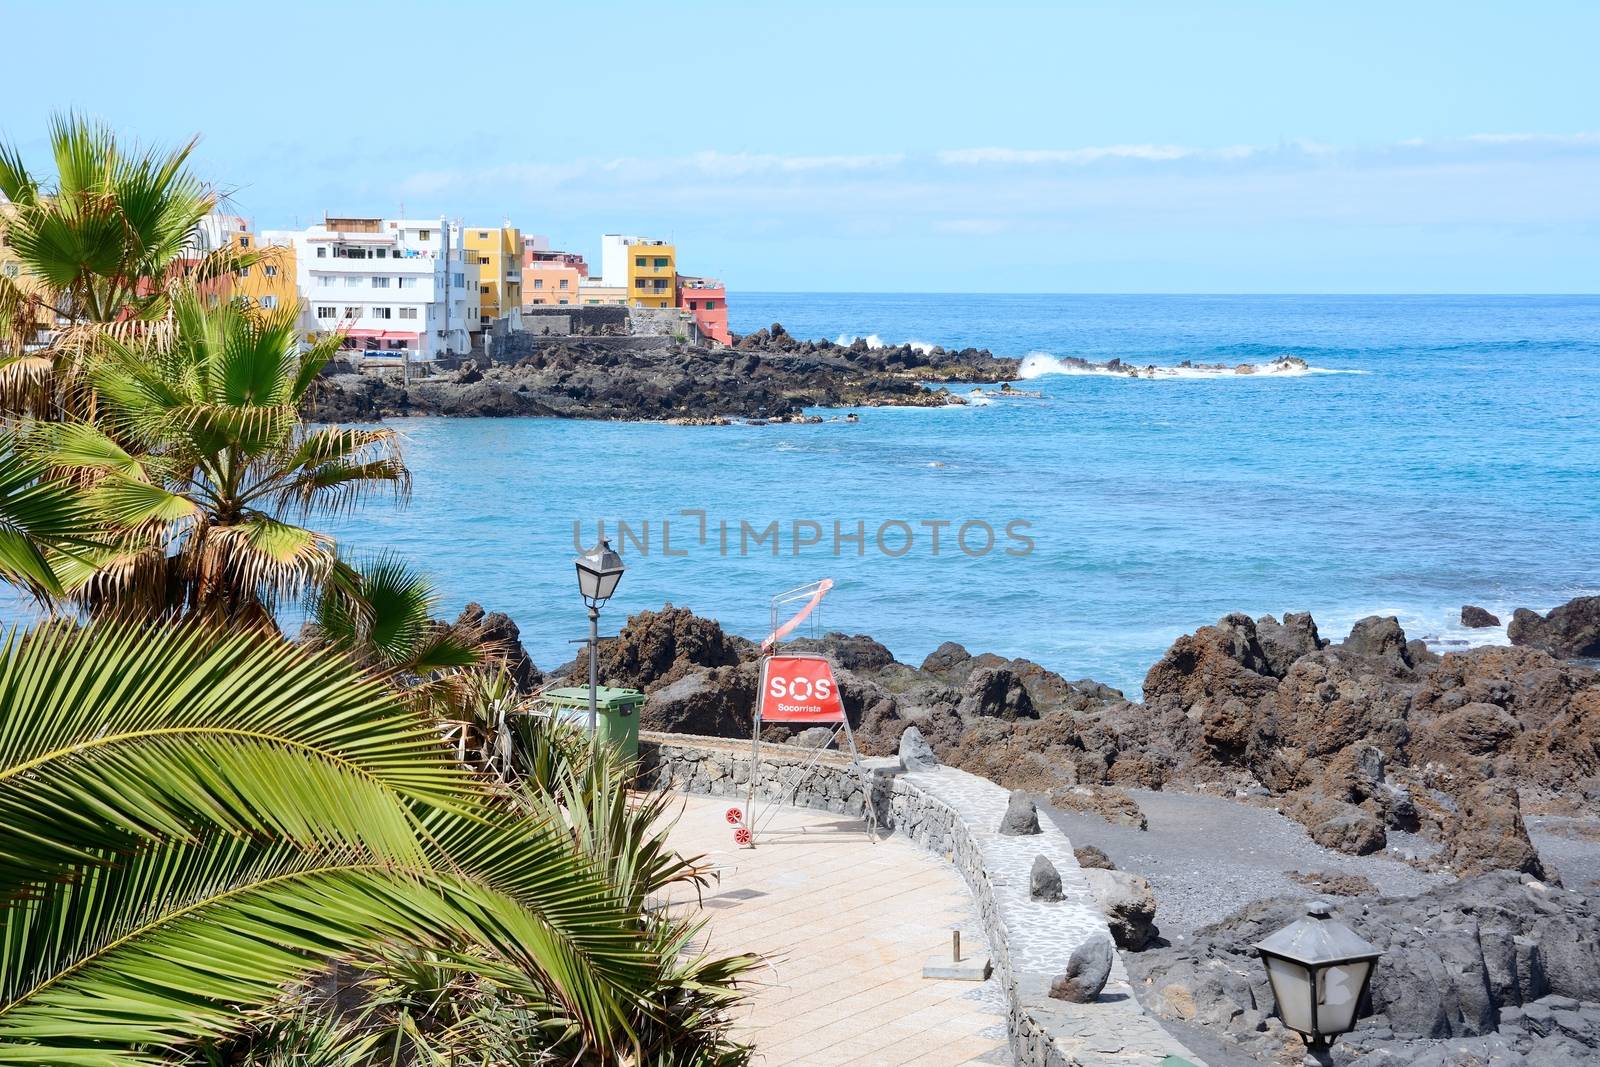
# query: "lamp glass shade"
[[1339, 987], [1292, 988], [599, 571]]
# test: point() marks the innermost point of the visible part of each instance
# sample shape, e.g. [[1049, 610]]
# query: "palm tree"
[[42, 521], [199, 465], [382, 612], [199, 821], [101, 247]]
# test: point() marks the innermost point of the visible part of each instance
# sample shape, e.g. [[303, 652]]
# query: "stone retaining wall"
[[954, 814]]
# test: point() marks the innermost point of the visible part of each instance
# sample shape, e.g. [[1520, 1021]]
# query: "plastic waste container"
[[617, 718]]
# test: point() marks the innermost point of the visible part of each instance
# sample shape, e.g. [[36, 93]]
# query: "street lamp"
[[599, 571], [1319, 969]]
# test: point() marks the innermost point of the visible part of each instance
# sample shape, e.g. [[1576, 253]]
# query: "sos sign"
[[799, 689]]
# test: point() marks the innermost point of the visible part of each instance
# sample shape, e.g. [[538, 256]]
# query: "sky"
[[889, 147]]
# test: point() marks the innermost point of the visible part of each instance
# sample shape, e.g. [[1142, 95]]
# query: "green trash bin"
[[618, 713]]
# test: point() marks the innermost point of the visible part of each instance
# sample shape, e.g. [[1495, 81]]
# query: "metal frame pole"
[[594, 675]]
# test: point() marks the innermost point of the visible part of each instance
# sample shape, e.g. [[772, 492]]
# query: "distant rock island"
[[766, 375]]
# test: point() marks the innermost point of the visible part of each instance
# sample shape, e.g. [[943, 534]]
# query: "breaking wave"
[[1041, 364], [874, 341]]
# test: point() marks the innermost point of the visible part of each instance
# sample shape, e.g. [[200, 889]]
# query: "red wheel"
[[741, 836], [734, 816]]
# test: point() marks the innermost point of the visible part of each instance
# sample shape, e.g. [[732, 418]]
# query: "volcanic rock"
[[1090, 856], [1569, 631], [1381, 636], [1283, 643], [915, 752], [1128, 903], [1021, 816], [496, 632], [1492, 957], [1088, 968], [1044, 881], [659, 647], [1477, 618], [1488, 833], [995, 692]]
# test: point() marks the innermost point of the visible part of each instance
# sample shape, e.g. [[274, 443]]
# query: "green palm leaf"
[[117, 733]]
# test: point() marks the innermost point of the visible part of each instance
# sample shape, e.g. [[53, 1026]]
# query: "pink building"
[[706, 301]]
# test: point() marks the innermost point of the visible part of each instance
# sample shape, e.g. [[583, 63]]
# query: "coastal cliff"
[[765, 375]]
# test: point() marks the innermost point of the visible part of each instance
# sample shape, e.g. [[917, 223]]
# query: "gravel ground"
[[1207, 856], [1571, 846]]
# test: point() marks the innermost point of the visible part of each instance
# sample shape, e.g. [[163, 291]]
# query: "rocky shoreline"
[[768, 375], [1375, 746]]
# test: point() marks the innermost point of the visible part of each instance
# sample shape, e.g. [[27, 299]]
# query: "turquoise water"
[[1456, 459], [1462, 464]]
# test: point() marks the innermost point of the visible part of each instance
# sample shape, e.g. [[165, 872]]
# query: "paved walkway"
[[845, 926]]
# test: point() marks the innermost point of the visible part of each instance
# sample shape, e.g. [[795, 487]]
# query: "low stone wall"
[[953, 814]]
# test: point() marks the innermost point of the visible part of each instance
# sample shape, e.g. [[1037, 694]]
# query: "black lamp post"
[[1319, 969], [599, 571]]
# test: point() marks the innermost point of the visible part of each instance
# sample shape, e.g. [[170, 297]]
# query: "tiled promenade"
[[845, 926]]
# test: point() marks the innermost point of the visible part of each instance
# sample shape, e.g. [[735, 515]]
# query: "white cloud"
[[1006, 156], [739, 163]]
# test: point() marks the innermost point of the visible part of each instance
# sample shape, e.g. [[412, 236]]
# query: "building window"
[[711, 305], [538, 283], [483, 261], [639, 262], [269, 302], [458, 280], [352, 312], [272, 272], [563, 283], [322, 251], [244, 242], [641, 283], [379, 282], [424, 235], [406, 283], [325, 312], [662, 262], [244, 272], [408, 313], [483, 235], [561, 301], [351, 281], [483, 289], [383, 313], [383, 253]]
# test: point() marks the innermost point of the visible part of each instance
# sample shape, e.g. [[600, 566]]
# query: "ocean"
[[1437, 451]]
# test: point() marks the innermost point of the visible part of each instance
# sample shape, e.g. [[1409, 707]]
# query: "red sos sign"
[[799, 689]]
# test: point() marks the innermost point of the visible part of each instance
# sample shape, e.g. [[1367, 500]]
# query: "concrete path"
[[845, 926]]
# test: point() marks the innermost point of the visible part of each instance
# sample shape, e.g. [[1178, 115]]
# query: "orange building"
[[550, 282], [706, 301]]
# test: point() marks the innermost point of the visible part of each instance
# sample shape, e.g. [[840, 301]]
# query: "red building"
[[706, 301]]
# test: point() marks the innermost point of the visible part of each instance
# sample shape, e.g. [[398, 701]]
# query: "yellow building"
[[498, 253], [15, 271], [602, 294], [270, 281], [652, 275]]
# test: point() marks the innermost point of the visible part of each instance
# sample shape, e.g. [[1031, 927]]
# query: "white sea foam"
[[874, 341], [1041, 364]]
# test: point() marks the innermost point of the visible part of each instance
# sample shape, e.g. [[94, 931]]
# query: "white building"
[[614, 258], [395, 287]]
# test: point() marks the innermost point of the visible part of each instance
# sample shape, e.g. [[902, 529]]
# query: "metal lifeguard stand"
[[813, 673]]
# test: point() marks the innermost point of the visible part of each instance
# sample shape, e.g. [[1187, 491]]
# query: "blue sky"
[[1071, 147]]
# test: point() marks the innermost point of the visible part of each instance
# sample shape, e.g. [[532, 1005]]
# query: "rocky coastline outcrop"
[[1355, 740], [767, 375]]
